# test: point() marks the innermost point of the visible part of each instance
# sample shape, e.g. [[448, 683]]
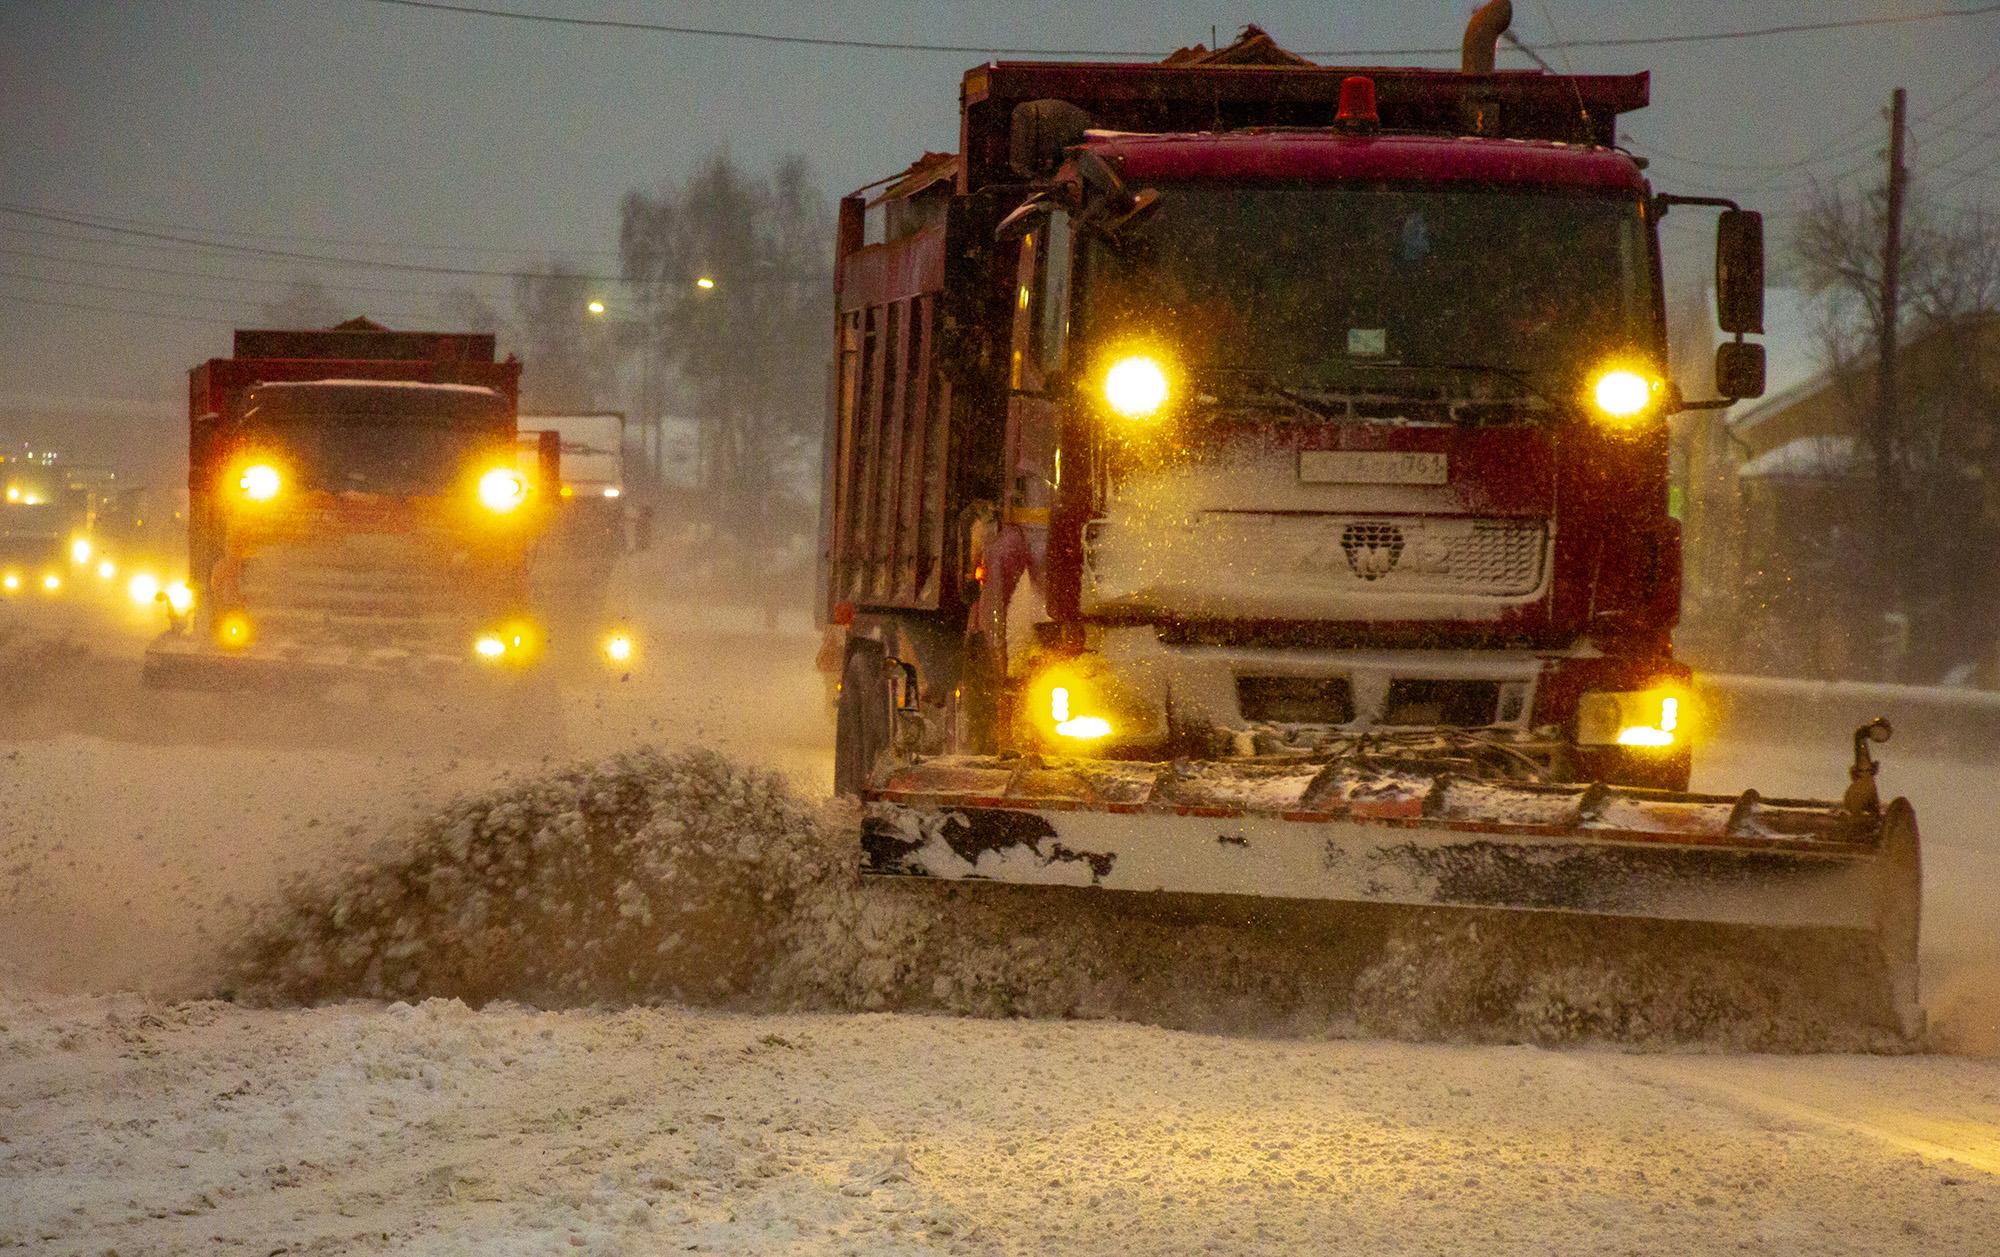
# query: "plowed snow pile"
[[683, 876]]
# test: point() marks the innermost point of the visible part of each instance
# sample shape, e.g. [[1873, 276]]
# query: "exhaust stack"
[[1482, 36]]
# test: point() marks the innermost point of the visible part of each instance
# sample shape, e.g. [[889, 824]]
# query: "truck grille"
[[1499, 558], [365, 576]]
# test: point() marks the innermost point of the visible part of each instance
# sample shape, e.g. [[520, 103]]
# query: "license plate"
[[1373, 467]]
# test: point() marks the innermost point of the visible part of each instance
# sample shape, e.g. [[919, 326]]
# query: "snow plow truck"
[[1248, 477], [363, 510]]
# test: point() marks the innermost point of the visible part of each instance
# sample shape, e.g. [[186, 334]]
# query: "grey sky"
[[370, 126]]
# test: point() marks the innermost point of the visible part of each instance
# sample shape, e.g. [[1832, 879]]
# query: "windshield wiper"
[[1523, 378]]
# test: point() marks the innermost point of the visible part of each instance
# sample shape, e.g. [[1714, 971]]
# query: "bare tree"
[[569, 354], [307, 303], [733, 277], [463, 310], [1934, 460]]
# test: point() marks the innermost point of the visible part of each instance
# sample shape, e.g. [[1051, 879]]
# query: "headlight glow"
[[502, 489], [260, 482], [51, 582], [143, 589], [11, 582], [489, 646], [1069, 725], [181, 598], [106, 569], [1622, 394], [79, 550], [1655, 719], [234, 631], [618, 648], [1135, 387]]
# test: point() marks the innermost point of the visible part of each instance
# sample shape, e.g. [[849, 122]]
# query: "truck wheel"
[[861, 721]]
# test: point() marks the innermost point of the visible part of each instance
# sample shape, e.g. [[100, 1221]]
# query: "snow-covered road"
[[152, 1124], [143, 1128]]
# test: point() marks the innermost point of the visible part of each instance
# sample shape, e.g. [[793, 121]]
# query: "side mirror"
[[1739, 369], [1039, 132], [1739, 275], [1023, 220]]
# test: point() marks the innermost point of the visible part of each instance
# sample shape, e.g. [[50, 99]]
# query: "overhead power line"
[[820, 41], [267, 281], [95, 309], [323, 259]]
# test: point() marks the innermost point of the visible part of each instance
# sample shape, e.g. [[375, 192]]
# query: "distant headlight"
[[489, 646], [618, 648], [234, 631], [502, 489], [51, 582], [260, 482], [143, 588], [79, 550], [11, 582], [180, 597], [1135, 387]]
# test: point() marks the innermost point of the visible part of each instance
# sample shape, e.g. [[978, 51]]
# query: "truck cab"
[[1265, 406]]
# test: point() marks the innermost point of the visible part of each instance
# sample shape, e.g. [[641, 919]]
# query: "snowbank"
[[654, 876]]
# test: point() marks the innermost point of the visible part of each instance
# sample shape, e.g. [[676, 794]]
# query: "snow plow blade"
[[1310, 831], [179, 662]]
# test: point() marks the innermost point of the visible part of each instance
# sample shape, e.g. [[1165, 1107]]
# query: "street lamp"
[[595, 307], [704, 283]]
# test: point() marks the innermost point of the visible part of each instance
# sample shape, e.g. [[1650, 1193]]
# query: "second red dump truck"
[[362, 508], [1250, 477]]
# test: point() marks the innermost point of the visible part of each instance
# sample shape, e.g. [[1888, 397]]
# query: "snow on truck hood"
[[1321, 154]]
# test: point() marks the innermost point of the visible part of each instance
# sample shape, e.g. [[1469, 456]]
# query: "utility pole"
[[1883, 443]]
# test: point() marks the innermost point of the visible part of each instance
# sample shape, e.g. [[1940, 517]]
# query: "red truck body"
[[371, 549]]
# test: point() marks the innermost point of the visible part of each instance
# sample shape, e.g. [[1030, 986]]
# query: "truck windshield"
[[1323, 285], [406, 441]]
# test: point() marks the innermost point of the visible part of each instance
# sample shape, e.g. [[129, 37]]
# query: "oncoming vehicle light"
[[143, 588], [11, 582], [79, 549], [180, 598], [51, 582], [106, 569], [260, 482], [618, 647], [1135, 387], [234, 631], [1621, 395], [489, 646], [502, 489]]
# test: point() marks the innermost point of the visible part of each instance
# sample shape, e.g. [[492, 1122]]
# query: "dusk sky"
[[360, 130]]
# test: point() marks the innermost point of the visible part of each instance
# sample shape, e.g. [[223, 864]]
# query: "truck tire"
[[861, 721]]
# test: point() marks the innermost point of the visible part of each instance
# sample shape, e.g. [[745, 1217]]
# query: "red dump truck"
[[1250, 477], [361, 509]]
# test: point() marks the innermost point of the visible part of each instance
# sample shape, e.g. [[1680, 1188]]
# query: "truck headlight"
[[502, 489], [260, 482], [1064, 704], [1135, 387], [180, 598], [618, 647], [143, 589], [79, 550], [1622, 395], [1655, 719]]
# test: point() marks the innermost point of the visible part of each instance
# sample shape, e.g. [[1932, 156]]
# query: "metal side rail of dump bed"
[[1329, 830]]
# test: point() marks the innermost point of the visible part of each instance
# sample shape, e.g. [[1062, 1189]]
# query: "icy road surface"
[[155, 1124], [143, 1128]]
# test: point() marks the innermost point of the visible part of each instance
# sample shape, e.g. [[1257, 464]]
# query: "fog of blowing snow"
[[899, 629]]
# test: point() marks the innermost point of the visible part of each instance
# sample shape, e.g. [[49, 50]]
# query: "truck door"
[[1034, 420]]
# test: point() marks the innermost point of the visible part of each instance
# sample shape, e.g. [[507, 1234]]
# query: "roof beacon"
[[1357, 105]]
